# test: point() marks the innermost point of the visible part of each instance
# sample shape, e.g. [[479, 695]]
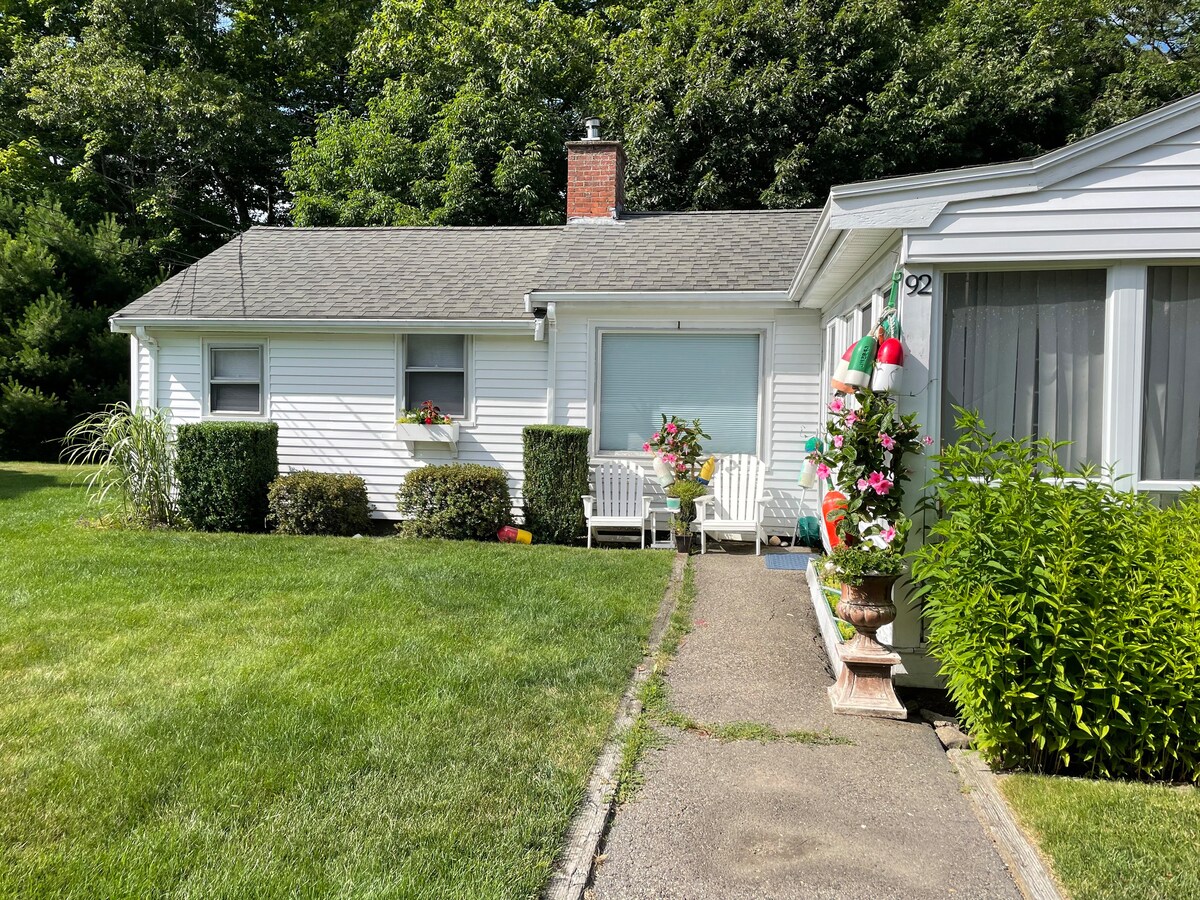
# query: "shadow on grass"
[[14, 481]]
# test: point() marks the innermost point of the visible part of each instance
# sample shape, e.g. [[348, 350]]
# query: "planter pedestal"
[[864, 687]]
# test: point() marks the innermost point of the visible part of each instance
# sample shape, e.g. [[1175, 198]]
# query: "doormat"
[[791, 562]]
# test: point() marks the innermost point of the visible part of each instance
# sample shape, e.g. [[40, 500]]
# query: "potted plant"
[[682, 530], [676, 448], [863, 459], [427, 423]]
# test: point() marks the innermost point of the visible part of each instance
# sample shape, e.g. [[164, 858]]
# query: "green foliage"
[[307, 502], [463, 501], [470, 105], [224, 470], [852, 563], [31, 422], [134, 453], [1065, 613], [556, 476], [59, 281], [686, 491]]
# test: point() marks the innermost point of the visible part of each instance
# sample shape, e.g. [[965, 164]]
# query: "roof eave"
[[127, 324]]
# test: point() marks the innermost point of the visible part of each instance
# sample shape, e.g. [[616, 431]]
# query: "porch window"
[[435, 368], [1026, 350], [710, 377], [235, 380], [1171, 400]]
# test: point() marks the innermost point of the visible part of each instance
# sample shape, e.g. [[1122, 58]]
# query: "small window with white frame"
[[235, 379], [435, 370]]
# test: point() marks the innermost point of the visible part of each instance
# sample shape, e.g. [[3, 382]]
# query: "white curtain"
[[1026, 351], [1171, 404]]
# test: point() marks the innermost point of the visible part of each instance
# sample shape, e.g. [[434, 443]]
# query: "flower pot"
[[864, 687], [683, 543], [673, 504]]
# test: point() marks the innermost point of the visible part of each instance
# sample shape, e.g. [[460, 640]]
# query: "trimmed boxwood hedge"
[[463, 501], [307, 502], [556, 476], [224, 469]]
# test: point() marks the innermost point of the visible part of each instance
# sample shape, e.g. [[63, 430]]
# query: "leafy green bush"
[[460, 502], [1065, 613], [556, 476], [686, 491], [134, 453], [31, 423], [224, 469], [307, 502]]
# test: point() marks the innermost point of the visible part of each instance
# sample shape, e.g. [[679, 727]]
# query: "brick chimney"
[[595, 176]]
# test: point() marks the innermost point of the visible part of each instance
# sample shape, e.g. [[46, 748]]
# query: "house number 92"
[[919, 284]]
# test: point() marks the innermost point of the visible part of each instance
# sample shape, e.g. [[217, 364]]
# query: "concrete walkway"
[[885, 817]]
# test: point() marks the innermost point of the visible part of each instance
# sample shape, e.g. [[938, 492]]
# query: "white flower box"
[[437, 434]]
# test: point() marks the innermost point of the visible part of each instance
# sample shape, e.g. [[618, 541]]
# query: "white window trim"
[[264, 395], [765, 334], [467, 419]]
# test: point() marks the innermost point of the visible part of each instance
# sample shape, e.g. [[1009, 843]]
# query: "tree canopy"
[[136, 135]]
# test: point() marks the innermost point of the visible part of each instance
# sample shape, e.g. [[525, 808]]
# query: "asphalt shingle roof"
[[478, 273]]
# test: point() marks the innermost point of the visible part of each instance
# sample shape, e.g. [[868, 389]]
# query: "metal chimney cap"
[[593, 129]]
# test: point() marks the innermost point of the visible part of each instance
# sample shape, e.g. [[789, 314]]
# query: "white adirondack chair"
[[619, 501], [735, 501]]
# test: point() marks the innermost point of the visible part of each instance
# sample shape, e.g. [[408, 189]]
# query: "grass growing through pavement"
[[257, 716], [1113, 840], [657, 709]]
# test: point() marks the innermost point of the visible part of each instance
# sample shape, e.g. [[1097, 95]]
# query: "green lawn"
[[1110, 840], [192, 715]]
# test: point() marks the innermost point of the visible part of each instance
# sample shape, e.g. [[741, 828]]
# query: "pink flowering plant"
[[677, 443], [863, 458]]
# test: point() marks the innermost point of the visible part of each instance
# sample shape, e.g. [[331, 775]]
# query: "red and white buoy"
[[889, 366]]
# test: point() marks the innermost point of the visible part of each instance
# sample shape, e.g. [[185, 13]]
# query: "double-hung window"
[[1026, 351], [235, 379], [711, 377], [435, 370]]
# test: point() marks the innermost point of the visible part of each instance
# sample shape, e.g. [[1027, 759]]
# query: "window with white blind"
[[1026, 351], [1171, 393], [435, 369], [710, 377], [235, 379]]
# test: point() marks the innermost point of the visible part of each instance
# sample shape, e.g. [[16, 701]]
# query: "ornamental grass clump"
[[863, 456], [1065, 612]]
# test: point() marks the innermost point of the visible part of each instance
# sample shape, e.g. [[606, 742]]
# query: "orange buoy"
[[833, 510]]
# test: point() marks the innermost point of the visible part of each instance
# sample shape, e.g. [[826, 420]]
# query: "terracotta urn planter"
[[864, 687]]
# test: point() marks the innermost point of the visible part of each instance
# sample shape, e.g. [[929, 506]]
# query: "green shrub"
[[1065, 614], [556, 476], [307, 502], [224, 469], [460, 502], [687, 492], [32, 423]]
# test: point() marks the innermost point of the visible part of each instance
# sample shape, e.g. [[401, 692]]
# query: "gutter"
[[133, 324], [536, 298]]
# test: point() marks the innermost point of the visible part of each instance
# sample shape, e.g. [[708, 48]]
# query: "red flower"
[[429, 421]]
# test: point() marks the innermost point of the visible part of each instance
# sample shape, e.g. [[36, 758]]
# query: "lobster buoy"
[[841, 371], [889, 366], [510, 534], [808, 472], [862, 361], [663, 473], [833, 510], [706, 470]]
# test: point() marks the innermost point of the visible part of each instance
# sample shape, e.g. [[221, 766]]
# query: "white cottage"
[[1060, 296]]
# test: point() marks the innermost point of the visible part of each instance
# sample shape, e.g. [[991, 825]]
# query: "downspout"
[[152, 344], [551, 362]]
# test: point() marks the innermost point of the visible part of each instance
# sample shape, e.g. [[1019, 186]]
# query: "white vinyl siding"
[[1171, 396], [1026, 351], [710, 377], [1143, 205]]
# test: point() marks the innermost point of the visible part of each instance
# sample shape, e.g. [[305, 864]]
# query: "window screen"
[[1171, 401], [710, 377], [436, 369], [235, 380], [1026, 350]]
